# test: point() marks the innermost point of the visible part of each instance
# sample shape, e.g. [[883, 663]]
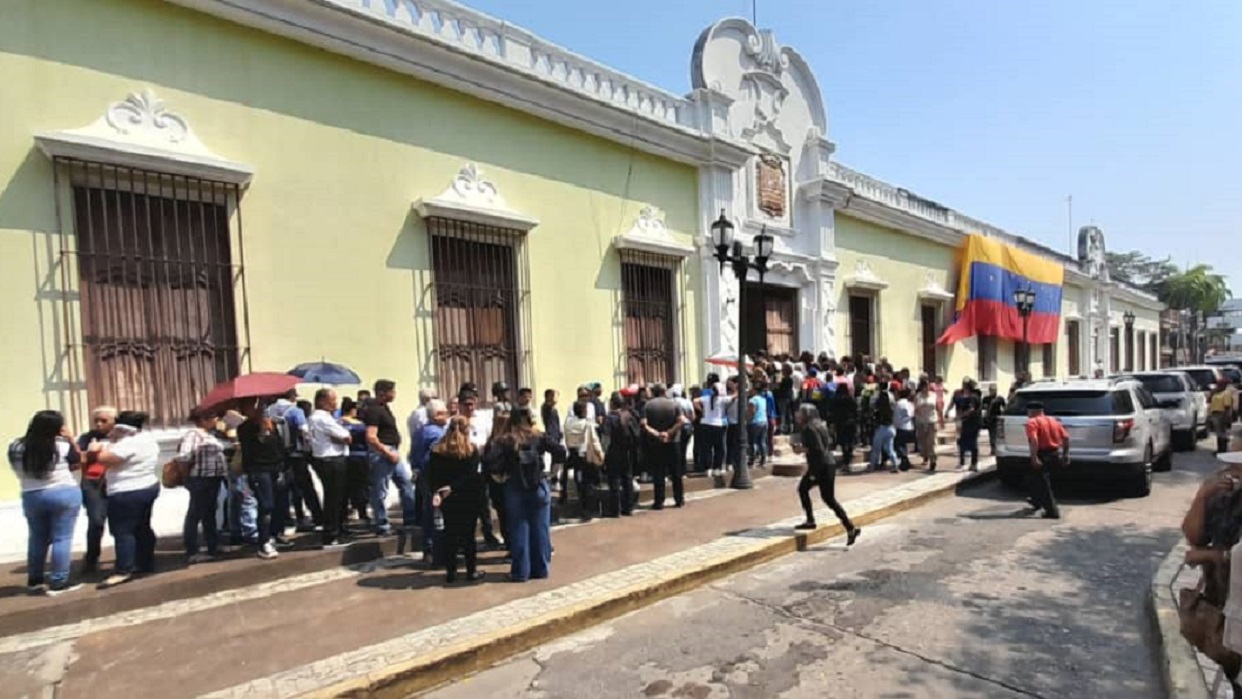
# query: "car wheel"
[[1012, 478], [1165, 461], [1140, 481], [1184, 440]]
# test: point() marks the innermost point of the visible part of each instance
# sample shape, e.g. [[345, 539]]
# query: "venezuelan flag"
[[991, 272]]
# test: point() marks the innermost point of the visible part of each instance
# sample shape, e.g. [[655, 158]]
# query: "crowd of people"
[[256, 469]]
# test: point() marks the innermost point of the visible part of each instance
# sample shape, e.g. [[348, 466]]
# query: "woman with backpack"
[[528, 498], [621, 431]]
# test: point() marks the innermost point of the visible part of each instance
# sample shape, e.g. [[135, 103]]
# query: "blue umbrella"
[[325, 373]]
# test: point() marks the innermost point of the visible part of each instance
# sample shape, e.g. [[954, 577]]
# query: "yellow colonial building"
[[192, 189]]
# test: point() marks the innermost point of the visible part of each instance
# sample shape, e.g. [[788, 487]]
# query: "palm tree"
[[1200, 292]]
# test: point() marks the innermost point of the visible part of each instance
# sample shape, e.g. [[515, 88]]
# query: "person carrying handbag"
[[585, 458], [1213, 527]]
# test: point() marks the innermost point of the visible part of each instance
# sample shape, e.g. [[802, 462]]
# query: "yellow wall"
[[904, 261], [335, 259]]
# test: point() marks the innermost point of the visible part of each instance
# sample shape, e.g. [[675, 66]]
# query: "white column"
[[720, 292]]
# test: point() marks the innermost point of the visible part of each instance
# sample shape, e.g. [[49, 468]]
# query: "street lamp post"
[[731, 253], [1128, 319], [1024, 299]]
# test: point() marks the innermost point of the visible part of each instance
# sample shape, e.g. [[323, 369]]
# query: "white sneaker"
[[268, 551], [57, 591]]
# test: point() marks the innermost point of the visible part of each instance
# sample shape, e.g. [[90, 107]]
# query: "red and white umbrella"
[[729, 360]]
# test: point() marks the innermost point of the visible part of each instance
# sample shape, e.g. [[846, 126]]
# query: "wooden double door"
[[771, 319]]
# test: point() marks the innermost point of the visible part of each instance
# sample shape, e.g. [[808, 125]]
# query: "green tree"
[[1199, 292], [1142, 272]]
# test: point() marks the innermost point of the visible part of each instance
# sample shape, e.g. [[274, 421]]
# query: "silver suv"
[[1117, 432], [1183, 404]]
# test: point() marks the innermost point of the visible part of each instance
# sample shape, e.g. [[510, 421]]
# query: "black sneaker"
[[806, 526], [853, 536], [57, 590]]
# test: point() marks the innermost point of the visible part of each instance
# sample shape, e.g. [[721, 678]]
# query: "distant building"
[[1225, 328]]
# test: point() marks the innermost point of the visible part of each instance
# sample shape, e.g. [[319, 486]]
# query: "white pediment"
[[648, 234], [864, 277], [473, 198], [933, 290], [140, 132]]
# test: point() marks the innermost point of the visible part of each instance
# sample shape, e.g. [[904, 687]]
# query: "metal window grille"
[[1073, 338], [157, 284], [860, 308], [480, 303], [648, 294]]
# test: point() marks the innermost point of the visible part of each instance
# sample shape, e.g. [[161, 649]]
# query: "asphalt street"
[[965, 597]]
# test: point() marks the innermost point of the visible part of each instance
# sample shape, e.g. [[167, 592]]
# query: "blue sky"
[[997, 108]]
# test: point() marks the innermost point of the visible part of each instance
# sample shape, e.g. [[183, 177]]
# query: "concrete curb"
[[407, 677], [1179, 663]]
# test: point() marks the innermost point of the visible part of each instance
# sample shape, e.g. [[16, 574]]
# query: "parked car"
[[1207, 376], [1184, 406], [1117, 432]]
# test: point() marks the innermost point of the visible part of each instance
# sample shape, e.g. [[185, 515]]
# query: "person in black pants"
[[820, 470], [1050, 447], [452, 474], [845, 422], [662, 422], [621, 432], [329, 443], [94, 486]]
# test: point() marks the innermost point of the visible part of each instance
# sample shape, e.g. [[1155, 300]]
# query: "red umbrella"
[[729, 360], [256, 385]]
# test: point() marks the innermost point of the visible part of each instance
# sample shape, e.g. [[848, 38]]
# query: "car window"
[[1234, 375], [1145, 398], [1074, 403], [1161, 383], [1203, 378]]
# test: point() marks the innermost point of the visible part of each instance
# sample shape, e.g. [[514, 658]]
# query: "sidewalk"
[[308, 633]]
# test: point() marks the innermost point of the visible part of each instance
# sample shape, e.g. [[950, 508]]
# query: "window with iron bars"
[[478, 276], [648, 294], [157, 285]]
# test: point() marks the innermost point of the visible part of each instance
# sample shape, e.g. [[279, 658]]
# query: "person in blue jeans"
[[885, 433], [757, 426], [132, 459], [518, 454], [384, 453], [44, 461], [94, 490]]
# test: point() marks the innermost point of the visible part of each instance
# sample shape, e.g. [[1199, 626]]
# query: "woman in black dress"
[[820, 470], [453, 475]]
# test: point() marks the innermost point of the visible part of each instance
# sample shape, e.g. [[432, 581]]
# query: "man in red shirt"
[[1050, 447]]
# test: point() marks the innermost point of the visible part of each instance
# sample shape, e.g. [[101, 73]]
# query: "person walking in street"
[[94, 485], [1220, 414], [202, 452], [885, 433], [453, 476], [711, 404], [528, 500], [44, 461], [329, 443], [384, 451], [263, 461], [967, 412], [662, 421], [925, 424], [132, 458], [821, 470], [620, 434], [1050, 449]]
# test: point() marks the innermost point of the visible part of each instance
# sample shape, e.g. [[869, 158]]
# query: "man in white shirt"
[[329, 443]]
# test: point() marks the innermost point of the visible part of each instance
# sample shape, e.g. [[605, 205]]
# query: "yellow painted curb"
[[401, 680]]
